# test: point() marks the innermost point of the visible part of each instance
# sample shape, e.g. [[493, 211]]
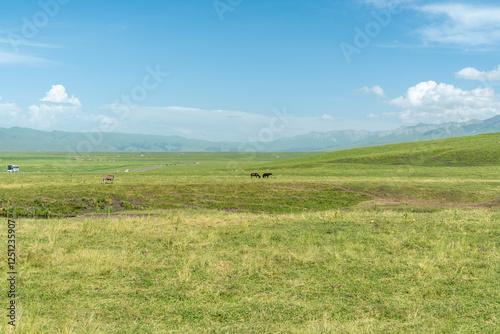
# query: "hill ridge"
[[476, 150]]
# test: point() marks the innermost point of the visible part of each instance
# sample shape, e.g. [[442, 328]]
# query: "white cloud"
[[387, 3], [57, 111], [58, 94], [10, 58], [177, 108], [10, 115], [105, 123], [382, 116], [189, 122], [462, 24], [473, 74], [14, 41], [430, 102], [50, 117], [219, 125], [377, 90]]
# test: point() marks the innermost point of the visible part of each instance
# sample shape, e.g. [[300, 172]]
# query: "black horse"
[[255, 174], [267, 174]]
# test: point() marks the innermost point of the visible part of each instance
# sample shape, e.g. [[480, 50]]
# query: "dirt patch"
[[116, 204]]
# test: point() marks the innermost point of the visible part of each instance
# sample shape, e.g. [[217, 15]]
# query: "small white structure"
[[12, 168]]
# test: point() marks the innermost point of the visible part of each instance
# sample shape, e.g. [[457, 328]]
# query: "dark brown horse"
[[267, 174], [255, 174], [107, 178]]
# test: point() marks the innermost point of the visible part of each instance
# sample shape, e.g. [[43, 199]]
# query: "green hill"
[[479, 150], [457, 172]]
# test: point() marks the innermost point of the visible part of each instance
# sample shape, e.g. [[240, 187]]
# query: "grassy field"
[[401, 238]]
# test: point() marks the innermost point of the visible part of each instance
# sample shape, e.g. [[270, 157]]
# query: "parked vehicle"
[[12, 168]]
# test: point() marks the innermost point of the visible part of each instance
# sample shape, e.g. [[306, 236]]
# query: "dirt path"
[[142, 170]]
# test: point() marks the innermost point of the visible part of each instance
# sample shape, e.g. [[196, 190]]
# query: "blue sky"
[[246, 70]]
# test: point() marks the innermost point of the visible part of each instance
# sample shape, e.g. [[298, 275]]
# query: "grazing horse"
[[108, 178], [267, 175], [255, 174]]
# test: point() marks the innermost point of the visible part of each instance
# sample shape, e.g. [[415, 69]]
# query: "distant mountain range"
[[23, 139], [335, 140]]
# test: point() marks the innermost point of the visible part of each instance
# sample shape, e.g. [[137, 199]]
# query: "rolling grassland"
[[393, 239]]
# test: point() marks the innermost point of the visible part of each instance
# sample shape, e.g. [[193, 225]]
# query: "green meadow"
[[388, 239]]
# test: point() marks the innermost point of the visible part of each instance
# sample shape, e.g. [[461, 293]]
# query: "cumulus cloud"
[[377, 90], [56, 111], [57, 94], [430, 102], [327, 117], [463, 24], [473, 74]]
